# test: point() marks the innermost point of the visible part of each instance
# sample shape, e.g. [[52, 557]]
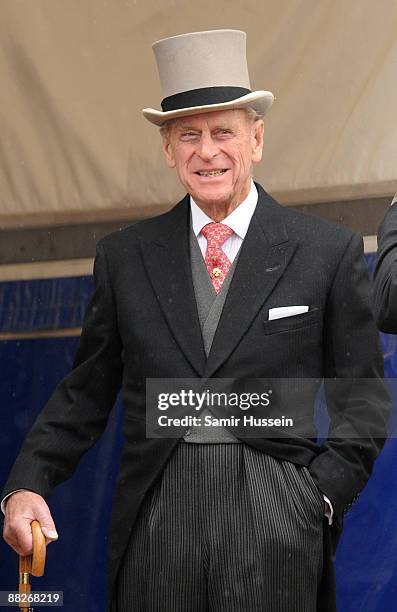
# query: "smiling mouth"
[[212, 172]]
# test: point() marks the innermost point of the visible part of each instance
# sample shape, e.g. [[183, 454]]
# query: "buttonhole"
[[273, 268]]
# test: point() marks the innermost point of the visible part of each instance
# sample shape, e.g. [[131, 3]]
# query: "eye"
[[224, 133], [188, 135]]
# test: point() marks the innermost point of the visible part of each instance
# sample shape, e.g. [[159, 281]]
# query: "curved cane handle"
[[31, 564], [39, 550]]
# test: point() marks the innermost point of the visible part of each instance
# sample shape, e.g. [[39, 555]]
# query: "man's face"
[[213, 154]]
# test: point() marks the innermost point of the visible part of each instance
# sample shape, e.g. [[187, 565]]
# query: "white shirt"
[[238, 221]]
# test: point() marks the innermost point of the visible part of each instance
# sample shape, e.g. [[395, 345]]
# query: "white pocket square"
[[286, 311]]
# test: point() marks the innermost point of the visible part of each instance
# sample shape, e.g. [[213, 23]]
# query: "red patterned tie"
[[217, 262]]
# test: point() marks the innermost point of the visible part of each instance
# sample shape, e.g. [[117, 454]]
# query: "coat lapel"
[[265, 254], [166, 258]]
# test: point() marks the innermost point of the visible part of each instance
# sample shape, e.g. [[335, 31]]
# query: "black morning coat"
[[142, 322]]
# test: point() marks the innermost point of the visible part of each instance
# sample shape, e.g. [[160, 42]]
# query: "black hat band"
[[203, 97]]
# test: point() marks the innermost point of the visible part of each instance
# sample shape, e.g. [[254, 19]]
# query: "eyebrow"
[[182, 127], [185, 126]]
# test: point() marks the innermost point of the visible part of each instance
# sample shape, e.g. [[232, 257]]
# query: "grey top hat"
[[202, 72]]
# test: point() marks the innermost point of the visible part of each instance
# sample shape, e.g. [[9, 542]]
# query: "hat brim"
[[260, 101]]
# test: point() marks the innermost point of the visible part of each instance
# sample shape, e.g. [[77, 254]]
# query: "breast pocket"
[[285, 324]]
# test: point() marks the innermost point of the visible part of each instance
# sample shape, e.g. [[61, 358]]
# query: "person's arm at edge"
[[385, 274]]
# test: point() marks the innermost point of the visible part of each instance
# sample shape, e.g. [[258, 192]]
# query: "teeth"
[[212, 173]]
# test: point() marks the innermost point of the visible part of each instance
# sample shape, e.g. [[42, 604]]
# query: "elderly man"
[[226, 285]]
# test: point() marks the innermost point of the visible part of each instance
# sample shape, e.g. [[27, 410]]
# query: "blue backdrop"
[[366, 561]]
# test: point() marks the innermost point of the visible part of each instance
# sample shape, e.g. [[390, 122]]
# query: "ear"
[[168, 150], [257, 131]]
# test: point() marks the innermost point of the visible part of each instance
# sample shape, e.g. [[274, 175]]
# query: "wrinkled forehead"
[[226, 118]]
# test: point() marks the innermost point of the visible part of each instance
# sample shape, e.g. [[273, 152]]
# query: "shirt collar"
[[238, 220]]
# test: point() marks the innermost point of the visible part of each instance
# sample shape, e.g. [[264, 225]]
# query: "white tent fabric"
[[75, 76]]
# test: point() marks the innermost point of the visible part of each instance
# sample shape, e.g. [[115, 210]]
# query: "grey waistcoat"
[[209, 307]]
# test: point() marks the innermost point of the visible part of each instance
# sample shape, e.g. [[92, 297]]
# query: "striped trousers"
[[226, 528]]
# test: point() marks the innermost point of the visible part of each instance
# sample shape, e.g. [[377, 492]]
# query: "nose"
[[207, 149]]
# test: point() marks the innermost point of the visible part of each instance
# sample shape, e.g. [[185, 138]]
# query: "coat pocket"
[[285, 324]]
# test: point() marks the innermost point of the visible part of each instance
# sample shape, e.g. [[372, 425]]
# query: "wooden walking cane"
[[32, 564]]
